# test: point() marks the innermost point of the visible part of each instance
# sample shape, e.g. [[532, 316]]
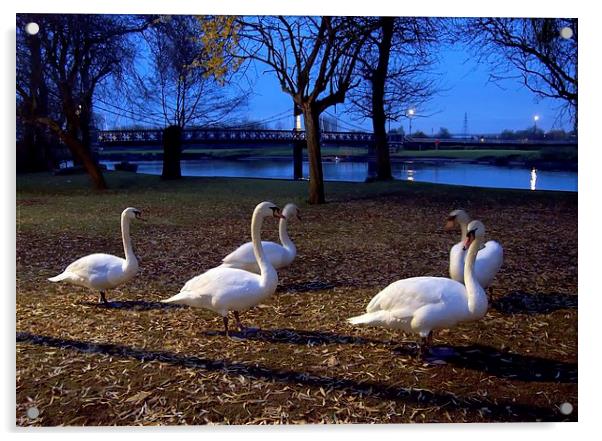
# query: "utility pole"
[[465, 126]]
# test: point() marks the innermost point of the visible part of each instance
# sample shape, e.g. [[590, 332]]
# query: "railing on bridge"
[[193, 135], [109, 137]]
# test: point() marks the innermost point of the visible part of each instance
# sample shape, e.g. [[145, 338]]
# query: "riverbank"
[[137, 362], [546, 159]]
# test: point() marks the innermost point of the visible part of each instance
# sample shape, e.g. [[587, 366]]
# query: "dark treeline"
[[174, 72]]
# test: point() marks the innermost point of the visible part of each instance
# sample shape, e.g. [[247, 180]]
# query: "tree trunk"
[[90, 165], [298, 159], [36, 144], [78, 151], [81, 153], [312, 136], [379, 118], [172, 151]]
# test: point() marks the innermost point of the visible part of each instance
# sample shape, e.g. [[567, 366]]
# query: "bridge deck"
[[152, 137]]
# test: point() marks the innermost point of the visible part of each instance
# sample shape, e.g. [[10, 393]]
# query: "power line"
[[158, 118], [345, 124], [139, 118], [276, 117]]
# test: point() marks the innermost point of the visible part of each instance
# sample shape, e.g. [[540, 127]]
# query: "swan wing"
[[97, 271], [488, 263], [407, 295], [244, 257], [242, 254], [456, 262], [419, 304], [221, 289]]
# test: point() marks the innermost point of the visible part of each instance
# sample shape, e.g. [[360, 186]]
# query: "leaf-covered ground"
[[137, 361]]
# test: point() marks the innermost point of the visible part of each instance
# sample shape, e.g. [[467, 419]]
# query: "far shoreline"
[[509, 160]]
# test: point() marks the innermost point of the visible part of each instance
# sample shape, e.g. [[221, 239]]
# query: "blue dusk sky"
[[490, 106]]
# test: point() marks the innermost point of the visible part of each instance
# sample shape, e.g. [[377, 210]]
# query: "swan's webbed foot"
[[102, 298]]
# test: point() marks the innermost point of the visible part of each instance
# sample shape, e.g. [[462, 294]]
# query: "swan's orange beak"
[[468, 241], [139, 217], [277, 215]]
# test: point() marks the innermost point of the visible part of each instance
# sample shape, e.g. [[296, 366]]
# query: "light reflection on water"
[[457, 173]]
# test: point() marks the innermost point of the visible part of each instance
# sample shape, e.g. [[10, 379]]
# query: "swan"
[[279, 256], [223, 289], [421, 305], [105, 271], [489, 258]]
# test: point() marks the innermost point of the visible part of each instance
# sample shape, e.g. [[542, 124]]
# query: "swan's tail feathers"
[[176, 299], [60, 277], [378, 318]]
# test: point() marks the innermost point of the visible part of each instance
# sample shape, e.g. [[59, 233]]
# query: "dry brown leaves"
[[140, 362]]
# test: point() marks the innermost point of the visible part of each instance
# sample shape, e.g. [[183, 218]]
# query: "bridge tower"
[[298, 144]]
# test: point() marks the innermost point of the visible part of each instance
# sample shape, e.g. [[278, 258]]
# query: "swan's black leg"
[[425, 344], [102, 298], [226, 326], [241, 328]]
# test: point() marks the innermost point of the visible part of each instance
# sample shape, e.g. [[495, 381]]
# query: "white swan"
[[489, 259], [224, 289], [105, 271], [423, 304], [279, 256]]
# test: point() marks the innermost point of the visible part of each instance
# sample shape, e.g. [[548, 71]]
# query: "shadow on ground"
[[294, 288], [512, 366], [134, 305], [500, 410], [297, 337], [529, 303]]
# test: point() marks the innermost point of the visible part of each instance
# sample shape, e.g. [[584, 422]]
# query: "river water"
[[440, 172]]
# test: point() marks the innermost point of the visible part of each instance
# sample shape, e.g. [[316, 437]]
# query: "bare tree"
[[78, 53], [314, 59], [395, 66], [180, 85], [542, 52], [188, 81]]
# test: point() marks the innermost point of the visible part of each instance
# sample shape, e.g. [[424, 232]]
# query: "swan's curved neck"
[[127, 241], [477, 299], [286, 241], [464, 230], [265, 266]]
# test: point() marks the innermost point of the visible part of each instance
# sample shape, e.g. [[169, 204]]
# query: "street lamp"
[[32, 28], [411, 113], [535, 119]]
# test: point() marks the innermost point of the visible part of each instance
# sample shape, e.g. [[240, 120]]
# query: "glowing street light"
[[535, 119], [32, 28], [411, 113]]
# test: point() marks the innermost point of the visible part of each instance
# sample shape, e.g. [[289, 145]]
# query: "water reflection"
[[533, 178], [457, 173]]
